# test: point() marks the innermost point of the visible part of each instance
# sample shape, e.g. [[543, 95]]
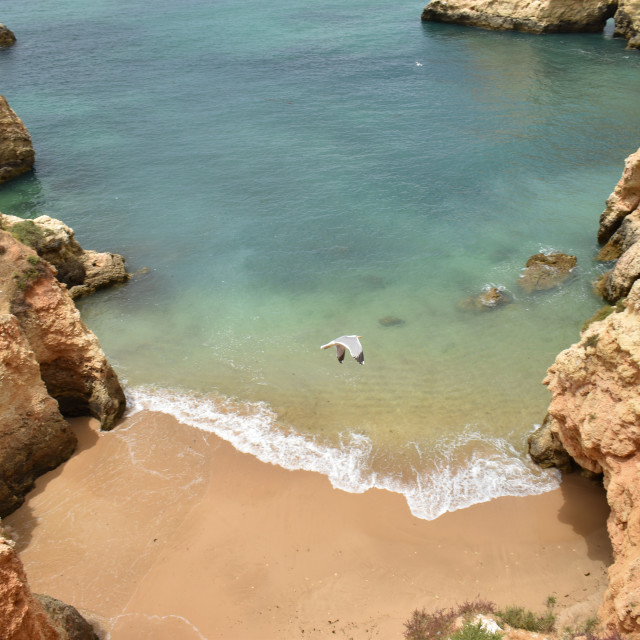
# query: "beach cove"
[[289, 180], [157, 530]]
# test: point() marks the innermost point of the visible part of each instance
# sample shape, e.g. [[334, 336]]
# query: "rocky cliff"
[[594, 414], [25, 616], [16, 149], [82, 271], [541, 16], [50, 364]]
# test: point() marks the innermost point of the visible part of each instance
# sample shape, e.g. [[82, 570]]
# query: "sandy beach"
[[157, 530]]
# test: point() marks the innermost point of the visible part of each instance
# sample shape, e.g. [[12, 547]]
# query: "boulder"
[[66, 619], [543, 16], [51, 365], [489, 298], [83, 272], [546, 450], [595, 415], [16, 149], [546, 271], [623, 201], [7, 37]]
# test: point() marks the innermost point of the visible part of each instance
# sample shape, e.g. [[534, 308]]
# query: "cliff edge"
[[51, 365], [594, 413]]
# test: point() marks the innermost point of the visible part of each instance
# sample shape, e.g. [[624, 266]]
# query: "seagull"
[[347, 342]]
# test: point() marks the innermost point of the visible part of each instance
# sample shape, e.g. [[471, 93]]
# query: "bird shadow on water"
[[585, 508], [22, 523]]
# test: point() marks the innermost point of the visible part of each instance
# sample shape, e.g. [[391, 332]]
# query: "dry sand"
[[159, 531]]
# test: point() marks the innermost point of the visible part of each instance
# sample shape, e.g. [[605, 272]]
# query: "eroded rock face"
[[16, 149], [546, 271], [83, 272], [627, 22], [46, 355], [595, 414], [22, 617], [7, 37], [623, 201], [620, 229], [536, 16]]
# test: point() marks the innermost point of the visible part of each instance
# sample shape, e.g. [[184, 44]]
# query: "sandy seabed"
[[160, 531]]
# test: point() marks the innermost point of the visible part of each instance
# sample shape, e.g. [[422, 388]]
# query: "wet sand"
[[160, 531]]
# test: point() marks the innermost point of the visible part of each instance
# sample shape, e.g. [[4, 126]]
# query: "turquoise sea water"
[[291, 173]]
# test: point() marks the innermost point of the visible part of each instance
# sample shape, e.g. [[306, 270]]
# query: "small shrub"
[[429, 626], [27, 232], [475, 631], [33, 260], [591, 341], [521, 618]]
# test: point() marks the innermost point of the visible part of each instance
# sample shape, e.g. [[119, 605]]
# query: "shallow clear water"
[[295, 173]]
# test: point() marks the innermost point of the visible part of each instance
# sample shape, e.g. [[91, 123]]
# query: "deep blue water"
[[291, 173]]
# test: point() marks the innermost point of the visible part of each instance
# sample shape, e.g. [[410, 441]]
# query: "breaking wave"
[[458, 472]]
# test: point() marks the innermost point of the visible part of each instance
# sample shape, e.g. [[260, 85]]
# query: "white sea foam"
[[448, 480]]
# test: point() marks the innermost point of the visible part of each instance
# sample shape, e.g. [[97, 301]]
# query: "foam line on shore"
[[492, 469]]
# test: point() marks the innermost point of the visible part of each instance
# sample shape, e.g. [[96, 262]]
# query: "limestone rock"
[[595, 414], [546, 450], [490, 298], [34, 438], [627, 22], [626, 235], [539, 16], [617, 283], [7, 37], [83, 272], [22, 617], [16, 149], [46, 355], [66, 619], [624, 199], [546, 271]]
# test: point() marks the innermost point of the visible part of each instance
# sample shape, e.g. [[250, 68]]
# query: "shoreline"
[[159, 530]]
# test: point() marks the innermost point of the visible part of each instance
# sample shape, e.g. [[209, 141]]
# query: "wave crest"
[[447, 480]]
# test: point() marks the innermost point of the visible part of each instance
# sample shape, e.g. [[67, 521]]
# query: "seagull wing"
[[347, 342], [353, 344]]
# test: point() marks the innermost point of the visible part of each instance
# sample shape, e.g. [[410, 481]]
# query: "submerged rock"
[[546, 271], [16, 149], [82, 271], [391, 321], [7, 37], [545, 16], [490, 298]]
